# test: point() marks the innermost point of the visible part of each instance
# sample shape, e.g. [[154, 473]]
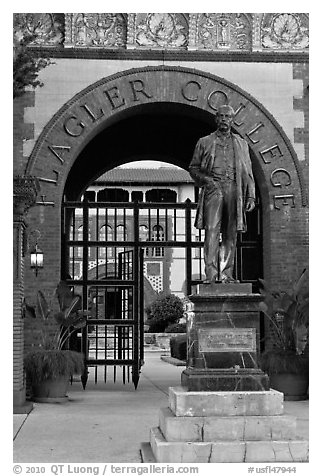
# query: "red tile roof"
[[161, 175]]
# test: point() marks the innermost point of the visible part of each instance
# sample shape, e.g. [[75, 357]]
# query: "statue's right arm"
[[199, 177]]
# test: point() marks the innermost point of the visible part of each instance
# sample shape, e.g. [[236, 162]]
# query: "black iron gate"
[[112, 336], [106, 249]]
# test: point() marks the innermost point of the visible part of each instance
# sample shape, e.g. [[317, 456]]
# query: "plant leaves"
[[301, 333], [303, 310], [79, 324], [74, 306], [287, 313], [64, 295], [60, 317], [298, 285], [286, 302], [263, 306], [42, 307], [28, 311]]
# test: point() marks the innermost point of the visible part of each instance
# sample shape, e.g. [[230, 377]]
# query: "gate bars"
[[103, 249]]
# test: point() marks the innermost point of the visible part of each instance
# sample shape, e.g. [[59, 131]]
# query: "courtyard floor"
[[106, 423]]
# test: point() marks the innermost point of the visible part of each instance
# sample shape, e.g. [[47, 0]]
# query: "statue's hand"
[[208, 181], [250, 204]]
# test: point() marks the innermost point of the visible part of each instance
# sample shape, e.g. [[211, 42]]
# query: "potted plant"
[[50, 365], [286, 359]]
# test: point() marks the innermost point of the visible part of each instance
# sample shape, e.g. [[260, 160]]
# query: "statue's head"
[[224, 117]]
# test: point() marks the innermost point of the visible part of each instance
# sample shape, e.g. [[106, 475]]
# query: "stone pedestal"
[[224, 427], [223, 339], [224, 380], [224, 412]]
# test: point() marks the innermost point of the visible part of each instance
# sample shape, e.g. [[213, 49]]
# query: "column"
[[25, 192]]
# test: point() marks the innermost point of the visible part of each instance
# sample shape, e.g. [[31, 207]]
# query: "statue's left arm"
[[250, 189]]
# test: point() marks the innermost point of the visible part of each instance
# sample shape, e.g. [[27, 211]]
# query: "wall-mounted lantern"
[[36, 255], [36, 259]]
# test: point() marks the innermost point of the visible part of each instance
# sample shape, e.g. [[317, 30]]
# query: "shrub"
[[178, 347], [26, 65], [177, 327], [166, 309]]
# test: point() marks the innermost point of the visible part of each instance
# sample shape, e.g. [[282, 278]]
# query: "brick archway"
[[108, 100], [196, 93]]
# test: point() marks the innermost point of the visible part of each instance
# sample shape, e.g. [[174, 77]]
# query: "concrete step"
[[184, 403], [146, 453], [252, 428], [227, 451]]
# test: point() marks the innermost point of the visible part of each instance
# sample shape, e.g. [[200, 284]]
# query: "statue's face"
[[224, 119]]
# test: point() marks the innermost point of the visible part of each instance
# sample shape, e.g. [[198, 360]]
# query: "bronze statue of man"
[[221, 167]]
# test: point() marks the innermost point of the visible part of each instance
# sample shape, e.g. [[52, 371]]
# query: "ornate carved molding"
[[257, 18], [137, 54], [224, 31], [161, 30], [202, 32], [193, 31], [25, 190], [48, 28], [285, 31], [130, 43], [69, 34], [99, 30]]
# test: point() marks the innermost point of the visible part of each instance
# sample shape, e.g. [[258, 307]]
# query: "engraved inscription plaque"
[[227, 340]]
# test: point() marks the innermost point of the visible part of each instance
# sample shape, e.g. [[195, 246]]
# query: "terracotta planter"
[[294, 386], [51, 391]]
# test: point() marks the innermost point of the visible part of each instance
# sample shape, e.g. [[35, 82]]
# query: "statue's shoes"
[[228, 279], [213, 281]]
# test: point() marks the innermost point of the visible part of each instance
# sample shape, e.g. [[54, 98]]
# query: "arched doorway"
[[166, 132]]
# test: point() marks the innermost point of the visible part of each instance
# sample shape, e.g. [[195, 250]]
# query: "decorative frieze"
[[99, 30], [256, 38], [193, 31], [47, 28], [190, 31], [69, 33], [285, 31], [161, 30], [224, 31], [130, 43]]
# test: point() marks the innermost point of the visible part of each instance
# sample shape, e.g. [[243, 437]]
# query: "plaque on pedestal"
[[227, 339], [223, 340]]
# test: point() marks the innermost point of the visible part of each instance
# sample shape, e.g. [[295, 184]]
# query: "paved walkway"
[[107, 422]]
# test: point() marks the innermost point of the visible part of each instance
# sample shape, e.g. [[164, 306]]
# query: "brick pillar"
[[25, 193]]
